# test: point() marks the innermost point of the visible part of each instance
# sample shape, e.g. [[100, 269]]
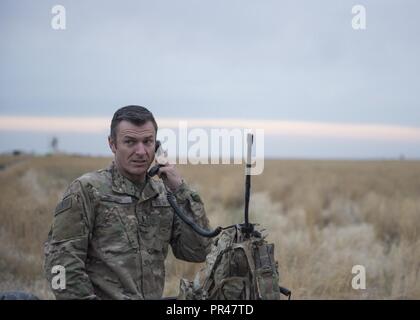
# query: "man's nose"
[[140, 149]]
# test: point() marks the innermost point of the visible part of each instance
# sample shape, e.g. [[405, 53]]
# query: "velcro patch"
[[118, 199], [196, 197], [64, 205], [160, 202]]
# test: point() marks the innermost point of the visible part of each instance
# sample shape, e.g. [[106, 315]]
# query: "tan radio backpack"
[[237, 268]]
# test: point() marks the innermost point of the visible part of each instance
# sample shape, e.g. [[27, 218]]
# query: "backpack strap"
[[266, 275]]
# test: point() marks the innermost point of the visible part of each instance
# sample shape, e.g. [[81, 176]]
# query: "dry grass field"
[[323, 216]]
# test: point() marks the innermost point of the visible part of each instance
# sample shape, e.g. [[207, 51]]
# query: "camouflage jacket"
[[112, 239]]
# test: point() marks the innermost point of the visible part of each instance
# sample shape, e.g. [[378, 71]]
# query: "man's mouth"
[[139, 162]]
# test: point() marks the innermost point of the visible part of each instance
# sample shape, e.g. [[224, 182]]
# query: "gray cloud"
[[294, 60]]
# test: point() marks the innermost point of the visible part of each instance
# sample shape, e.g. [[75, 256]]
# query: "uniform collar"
[[123, 185]]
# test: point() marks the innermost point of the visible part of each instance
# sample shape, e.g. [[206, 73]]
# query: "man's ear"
[[112, 144]]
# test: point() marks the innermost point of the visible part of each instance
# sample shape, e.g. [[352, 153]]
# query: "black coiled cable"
[[188, 221]]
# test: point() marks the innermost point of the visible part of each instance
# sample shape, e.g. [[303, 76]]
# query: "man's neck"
[[138, 181]]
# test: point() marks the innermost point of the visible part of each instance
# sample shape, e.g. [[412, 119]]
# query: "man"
[[112, 228]]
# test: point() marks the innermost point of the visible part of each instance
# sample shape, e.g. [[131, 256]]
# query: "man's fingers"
[[170, 176], [166, 168]]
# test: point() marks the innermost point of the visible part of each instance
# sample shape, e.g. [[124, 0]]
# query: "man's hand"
[[170, 176]]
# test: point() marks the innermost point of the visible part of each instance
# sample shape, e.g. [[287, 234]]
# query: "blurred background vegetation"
[[323, 217]]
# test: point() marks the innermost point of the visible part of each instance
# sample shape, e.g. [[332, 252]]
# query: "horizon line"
[[371, 131]]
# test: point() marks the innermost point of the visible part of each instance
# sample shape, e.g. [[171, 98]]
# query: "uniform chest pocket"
[[116, 224], [157, 222]]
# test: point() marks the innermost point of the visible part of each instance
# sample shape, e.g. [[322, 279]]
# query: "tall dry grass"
[[323, 216]]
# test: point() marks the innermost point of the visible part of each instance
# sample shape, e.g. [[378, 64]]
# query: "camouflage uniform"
[[112, 237]]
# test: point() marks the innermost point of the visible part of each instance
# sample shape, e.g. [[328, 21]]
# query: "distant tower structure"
[[54, 145]]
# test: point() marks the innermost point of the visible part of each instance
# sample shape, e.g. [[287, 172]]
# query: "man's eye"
[[129, 142], [149, 142]]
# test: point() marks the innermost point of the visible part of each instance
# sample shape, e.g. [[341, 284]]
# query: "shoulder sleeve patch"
[[64, 205], [68, 222]]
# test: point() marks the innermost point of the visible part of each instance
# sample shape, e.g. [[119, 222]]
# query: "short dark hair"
[[137, 115]]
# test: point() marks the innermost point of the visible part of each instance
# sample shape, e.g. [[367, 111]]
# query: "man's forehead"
[[126, 128]]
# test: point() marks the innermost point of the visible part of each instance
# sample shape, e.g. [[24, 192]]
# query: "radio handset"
[[158, 152], [154, 170]]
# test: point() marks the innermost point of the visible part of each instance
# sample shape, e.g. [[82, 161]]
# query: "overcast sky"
[[287, 61]]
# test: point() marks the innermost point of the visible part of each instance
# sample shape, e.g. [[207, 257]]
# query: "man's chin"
[[138, 171]]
